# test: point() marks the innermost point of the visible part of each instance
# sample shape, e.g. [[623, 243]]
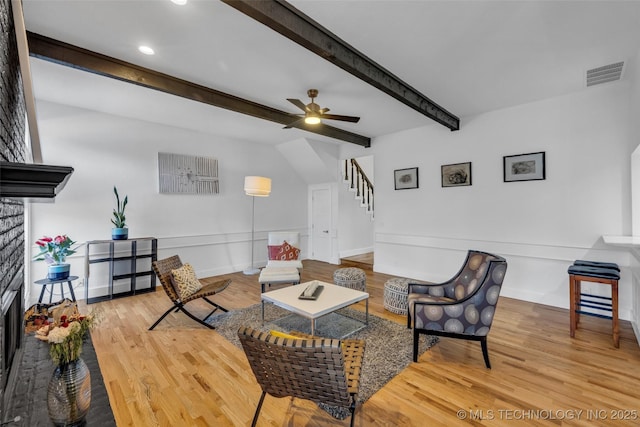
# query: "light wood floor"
[[183, 374], [363, 260]]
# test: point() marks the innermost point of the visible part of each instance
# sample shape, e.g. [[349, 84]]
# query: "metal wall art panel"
[[182, 174]]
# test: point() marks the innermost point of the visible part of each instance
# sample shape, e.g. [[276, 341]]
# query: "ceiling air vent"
[[607, 73]]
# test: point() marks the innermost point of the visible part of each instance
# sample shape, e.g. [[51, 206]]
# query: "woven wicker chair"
[[163, 269], [322, 370]]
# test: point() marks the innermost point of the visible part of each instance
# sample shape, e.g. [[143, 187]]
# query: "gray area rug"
[[388, 344]]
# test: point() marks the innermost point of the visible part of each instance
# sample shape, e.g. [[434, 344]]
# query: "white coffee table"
[[330, 299]]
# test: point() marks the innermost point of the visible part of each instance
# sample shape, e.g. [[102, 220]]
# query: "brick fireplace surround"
[[12, 149]]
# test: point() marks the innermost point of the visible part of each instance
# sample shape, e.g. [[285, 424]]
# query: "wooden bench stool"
[[598, 272]]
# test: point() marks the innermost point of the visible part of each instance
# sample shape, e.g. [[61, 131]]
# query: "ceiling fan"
[[313, 114]]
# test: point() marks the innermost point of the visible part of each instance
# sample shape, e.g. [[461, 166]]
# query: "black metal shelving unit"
[[134, 253]]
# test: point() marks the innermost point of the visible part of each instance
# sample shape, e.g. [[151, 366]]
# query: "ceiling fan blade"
[[324, 110], [293, 123], [351, 119], [298, 104]]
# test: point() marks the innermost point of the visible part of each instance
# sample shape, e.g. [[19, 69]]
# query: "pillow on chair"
[[185, 281], [287, 252], [274, 250], [280, 334]]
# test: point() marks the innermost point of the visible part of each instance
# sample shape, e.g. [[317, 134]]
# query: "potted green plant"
[[54, 251], [120, 231]]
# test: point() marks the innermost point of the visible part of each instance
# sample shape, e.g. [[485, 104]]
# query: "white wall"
[[355, 226], [541, 227], [211, 232], [633, 73]]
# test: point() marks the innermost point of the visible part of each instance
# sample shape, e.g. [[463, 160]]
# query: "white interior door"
[[321, 223]]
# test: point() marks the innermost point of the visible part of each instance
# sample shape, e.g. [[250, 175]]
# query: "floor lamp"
[[255, 186]]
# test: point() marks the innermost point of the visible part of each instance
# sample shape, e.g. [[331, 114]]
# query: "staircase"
[[358, 183], [363, 261]]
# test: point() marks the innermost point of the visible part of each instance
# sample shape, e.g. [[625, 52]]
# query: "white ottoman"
[[351, 277], [275, 275], [284, 264], [395, 295]]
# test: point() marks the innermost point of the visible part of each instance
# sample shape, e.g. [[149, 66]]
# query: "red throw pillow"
[[288, 252], [274, 251]]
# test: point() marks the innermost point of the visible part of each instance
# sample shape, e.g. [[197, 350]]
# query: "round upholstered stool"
[[351, 277], [395, 295]]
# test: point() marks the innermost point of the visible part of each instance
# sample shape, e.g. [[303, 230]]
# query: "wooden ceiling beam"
[[76, 57], [285, 19]]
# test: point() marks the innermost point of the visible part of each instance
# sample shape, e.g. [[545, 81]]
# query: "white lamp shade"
[[258, 186]]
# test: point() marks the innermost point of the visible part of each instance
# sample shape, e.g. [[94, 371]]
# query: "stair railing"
[[359, 182]]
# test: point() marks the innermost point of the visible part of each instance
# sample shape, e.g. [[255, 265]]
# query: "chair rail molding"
[[222, 253], [537, 272]]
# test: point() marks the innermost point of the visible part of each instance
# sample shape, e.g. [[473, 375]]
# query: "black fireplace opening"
[[11, 338]]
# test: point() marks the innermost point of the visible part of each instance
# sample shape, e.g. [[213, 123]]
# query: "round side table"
[[46, 282]]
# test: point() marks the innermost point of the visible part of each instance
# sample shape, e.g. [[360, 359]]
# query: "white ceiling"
[[469, 57]]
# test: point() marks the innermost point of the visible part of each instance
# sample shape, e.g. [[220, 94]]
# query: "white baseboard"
[[636, 331]]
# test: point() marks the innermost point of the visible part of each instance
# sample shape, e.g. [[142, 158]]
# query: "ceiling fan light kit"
[[313, 114], [312, 120]]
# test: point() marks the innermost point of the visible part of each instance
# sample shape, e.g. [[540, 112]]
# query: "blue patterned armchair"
[[462, 307]]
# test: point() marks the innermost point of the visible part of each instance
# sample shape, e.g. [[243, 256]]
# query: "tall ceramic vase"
[[69, 394]]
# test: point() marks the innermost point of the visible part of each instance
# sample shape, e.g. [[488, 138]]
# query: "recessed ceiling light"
[[146, 50], [179, 2]]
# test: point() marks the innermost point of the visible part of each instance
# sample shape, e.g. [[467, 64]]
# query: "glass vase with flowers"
[[69, 391]]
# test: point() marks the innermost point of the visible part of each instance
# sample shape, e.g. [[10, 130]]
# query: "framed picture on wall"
[[405, 178], [456, 175], [524, 167]]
